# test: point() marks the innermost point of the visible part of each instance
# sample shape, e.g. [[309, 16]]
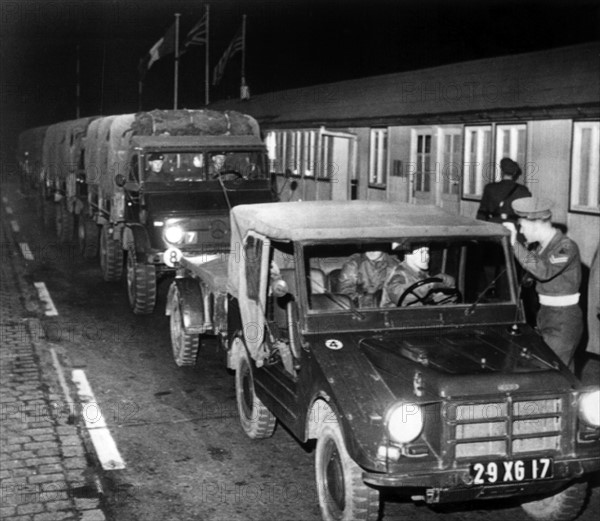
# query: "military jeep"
[[452, 397]]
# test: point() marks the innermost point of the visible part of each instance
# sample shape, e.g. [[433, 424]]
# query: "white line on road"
[[15, 226], [26, 251], [106, 448], [45, 297], [5, 199], [9, 210]]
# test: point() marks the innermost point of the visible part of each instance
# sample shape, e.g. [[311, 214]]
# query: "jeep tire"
[[565, 505], [141, 285], [185, 345], [111, 256], [343, 495], [257, 421]]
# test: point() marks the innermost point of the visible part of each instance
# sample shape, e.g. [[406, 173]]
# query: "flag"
[[198, 33], [236, 45], [163, 47]]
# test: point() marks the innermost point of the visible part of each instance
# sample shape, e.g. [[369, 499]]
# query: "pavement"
[[47, 472]]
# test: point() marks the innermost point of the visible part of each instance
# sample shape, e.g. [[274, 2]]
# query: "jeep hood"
[[467, 362]]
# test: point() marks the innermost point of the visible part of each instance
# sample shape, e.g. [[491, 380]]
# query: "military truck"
[[445, 393], [96, 179]]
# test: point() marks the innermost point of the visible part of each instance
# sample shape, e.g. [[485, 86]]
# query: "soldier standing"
[[556, 267], [497, 198]]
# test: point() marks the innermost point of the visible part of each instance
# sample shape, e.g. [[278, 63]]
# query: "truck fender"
[[136, 236], [187, 294]]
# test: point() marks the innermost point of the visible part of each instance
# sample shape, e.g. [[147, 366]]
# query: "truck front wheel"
[[185, 345], [141, 285], [257, 421], [65, 225], [566, 505], [111, 256], [343, 495], [87, 237]]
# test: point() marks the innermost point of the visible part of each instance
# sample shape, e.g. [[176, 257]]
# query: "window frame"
[[575, 190], [378, 157]]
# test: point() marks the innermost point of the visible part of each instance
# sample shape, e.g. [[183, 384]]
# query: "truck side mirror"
[[120, 180]]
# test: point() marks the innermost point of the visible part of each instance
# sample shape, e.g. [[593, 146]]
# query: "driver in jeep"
[[411, 284]]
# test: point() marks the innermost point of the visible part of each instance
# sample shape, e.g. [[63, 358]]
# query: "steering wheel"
[[452, 294], [228, 172]]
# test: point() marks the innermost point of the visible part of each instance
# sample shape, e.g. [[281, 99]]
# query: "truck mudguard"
[[187, 293], [137, 235]]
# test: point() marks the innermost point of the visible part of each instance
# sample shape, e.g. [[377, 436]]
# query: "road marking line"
[[26, 251], [9, 210], [61, 376], [15, 226], [104, 444], [5, 199], [45, 297]]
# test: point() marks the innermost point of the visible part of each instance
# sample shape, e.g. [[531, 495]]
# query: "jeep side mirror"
[[120, 180], [280, 288]]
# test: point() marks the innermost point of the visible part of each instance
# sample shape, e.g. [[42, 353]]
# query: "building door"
[[338, 165], [450, 169], [422, 177]]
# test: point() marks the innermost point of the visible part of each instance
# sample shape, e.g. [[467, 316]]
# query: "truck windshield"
[[407, 273], [170, 167]]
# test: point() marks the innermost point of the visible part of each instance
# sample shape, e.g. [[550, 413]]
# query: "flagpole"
[[78, 89], [243, 94], [206, 64], [176, 71]]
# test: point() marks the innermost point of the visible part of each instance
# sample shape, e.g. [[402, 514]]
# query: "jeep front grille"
[[505, 428]]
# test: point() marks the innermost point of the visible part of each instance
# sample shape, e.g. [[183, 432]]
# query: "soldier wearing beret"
[[155, 168], [556, 267], [497, 198]]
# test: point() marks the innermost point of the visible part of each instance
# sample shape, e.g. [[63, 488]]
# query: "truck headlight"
[[589, 408], [404, 422], [174, 234]]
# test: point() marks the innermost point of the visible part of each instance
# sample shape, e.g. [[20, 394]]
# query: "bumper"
[[456, 484]]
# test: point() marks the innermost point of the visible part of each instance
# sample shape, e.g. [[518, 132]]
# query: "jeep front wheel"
[[566, 505], [185, 345], [343, 495], [257, 421], [111, 256], [141, 285]]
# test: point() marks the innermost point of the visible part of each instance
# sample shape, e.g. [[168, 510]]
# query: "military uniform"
[[557, 271], [497, 199], [362, 279]]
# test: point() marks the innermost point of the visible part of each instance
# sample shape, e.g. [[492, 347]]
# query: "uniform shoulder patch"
[[558, 259]]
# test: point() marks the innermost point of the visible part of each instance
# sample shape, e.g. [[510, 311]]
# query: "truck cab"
[[438, 387]]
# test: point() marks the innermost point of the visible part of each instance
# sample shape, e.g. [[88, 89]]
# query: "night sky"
[[290, 44]]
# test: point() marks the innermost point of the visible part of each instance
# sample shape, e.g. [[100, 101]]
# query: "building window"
[[478, 166], [585, 173], [451, 166], [510, 142], [378, 157], [423, 171]]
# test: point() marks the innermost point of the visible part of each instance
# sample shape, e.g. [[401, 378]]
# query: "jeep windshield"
[[170, 168], [408, 274]]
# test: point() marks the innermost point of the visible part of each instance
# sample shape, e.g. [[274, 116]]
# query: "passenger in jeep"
[[413, 269]]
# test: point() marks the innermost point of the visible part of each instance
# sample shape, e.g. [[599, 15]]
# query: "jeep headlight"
[[589, 408], [404, 422], [174, 234]]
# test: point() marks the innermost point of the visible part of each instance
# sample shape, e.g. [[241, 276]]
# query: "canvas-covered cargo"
[[96, 149], [194, 123]]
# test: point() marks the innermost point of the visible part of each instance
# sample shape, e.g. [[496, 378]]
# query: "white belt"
[[559, 300]]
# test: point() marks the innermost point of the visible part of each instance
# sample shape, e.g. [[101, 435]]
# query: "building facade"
[[436, 136]]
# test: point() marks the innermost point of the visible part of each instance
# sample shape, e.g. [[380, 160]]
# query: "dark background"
[[290, 44]]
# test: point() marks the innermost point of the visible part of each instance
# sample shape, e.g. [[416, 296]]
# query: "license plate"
[[513, 471]]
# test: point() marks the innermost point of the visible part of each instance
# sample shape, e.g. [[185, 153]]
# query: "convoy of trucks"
[[449, 396], [93, 177]]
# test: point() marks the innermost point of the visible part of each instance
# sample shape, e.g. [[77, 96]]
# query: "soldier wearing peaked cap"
[[556, 267]]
